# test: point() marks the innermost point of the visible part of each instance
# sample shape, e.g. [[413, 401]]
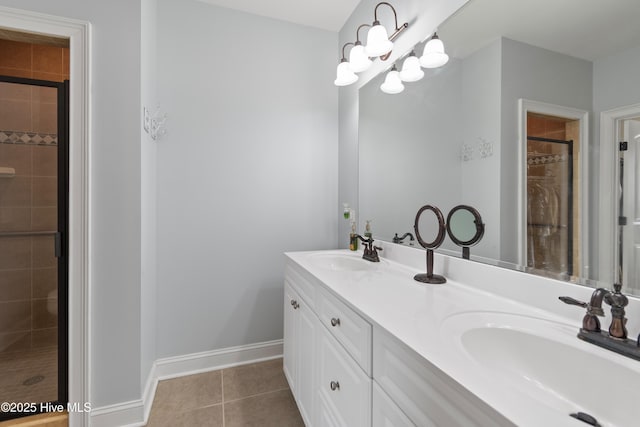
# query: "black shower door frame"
[[61, 242]]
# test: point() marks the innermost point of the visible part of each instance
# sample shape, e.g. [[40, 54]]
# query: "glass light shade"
[[378, 42], [344, 75], [392, 83], [433, 55], [411, 70], [358, 59]]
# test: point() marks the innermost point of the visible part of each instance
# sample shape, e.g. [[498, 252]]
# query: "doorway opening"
[[628, 248], [553, 196], [553, 239], [34, 171]]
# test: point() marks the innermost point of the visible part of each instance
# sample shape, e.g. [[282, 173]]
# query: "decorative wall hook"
[[154, 123]]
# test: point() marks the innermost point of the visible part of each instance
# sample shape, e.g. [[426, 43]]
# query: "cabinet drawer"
[[344, 391], [426, 395], [351, 330], [302, 286]]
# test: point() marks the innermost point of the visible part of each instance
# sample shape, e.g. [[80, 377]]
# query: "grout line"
[[258, 394], [222, 389]]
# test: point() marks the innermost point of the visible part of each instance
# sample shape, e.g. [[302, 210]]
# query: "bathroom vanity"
[[366, 345]]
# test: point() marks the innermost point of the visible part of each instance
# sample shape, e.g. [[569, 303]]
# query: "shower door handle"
[[57, 241]]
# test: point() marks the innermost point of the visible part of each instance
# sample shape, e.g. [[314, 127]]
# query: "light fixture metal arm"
[[375, 12], [397, 29], [343, 47], [358, 33]]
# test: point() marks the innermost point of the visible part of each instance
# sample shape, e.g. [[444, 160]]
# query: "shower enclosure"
[[552, 246], [33, 244]]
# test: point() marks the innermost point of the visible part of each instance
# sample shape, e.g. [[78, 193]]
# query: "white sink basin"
[[343, 262], [548, 362]]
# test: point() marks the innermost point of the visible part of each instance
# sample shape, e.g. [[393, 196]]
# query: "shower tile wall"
[[28, 273]]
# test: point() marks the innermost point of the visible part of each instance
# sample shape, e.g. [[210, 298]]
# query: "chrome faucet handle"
[[590, 321]]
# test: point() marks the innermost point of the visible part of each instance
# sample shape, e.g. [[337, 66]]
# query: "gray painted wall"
[[115, 221], [409, 151], [540, 75], [247, 171], [615, 85], [480, 120], [148, 202]]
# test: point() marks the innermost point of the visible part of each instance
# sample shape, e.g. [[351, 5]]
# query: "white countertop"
[[419, 314]]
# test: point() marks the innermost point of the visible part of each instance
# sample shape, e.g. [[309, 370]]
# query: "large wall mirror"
[[512, 126]]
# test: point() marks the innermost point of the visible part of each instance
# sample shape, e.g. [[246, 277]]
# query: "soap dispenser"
[[347, 211], [353, 237], [367, 230]]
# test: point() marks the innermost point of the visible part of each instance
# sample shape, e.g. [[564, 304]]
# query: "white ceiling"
[[587, 29], [325, 14]]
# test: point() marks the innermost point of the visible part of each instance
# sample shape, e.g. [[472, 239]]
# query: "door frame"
[[527, 106], [608, 206], [79, 35]]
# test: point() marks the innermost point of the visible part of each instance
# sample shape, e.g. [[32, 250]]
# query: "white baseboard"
[[195, 363], [136, 412]]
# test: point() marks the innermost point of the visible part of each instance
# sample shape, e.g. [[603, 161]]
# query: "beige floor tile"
[[249, 380], [187, 393], [210, 416], [276, 409]]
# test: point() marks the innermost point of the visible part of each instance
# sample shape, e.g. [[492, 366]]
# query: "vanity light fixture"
[[434, 55], [379, 43], [358, 59], [392, 82], [411, 70], [344, 74]]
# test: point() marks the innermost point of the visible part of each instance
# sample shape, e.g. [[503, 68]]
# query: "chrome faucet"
[[616, 339], [370, 251], [397, 239]]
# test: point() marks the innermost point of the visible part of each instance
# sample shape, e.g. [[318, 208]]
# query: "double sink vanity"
[[367, 345]]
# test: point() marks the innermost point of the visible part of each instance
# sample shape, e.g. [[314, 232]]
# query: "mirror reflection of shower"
[[552, 190], [628, 201]]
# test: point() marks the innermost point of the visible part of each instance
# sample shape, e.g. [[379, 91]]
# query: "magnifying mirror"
[[430, 224], [465, 227]]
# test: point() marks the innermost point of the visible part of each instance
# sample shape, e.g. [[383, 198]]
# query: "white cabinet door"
[[385, 413], [300, 351], [290, 337], [307, 325], [344, 389]]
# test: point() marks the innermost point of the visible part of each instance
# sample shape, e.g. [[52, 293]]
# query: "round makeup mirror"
[[432, 224], [465, 227]]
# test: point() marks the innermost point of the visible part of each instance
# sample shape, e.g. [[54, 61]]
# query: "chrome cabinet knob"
[[335, 385], [335, 322]]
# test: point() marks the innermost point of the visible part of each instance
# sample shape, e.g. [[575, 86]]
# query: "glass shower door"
[[550, 206], [33, 225]]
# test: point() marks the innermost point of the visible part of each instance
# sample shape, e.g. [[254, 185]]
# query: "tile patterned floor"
[[244, 396], [30, 376]]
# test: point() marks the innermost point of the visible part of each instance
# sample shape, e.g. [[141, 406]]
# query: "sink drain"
[[586, 418], [33, 380]]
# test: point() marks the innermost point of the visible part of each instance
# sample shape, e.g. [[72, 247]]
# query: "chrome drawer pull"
[[335, 322], [335, 385]]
